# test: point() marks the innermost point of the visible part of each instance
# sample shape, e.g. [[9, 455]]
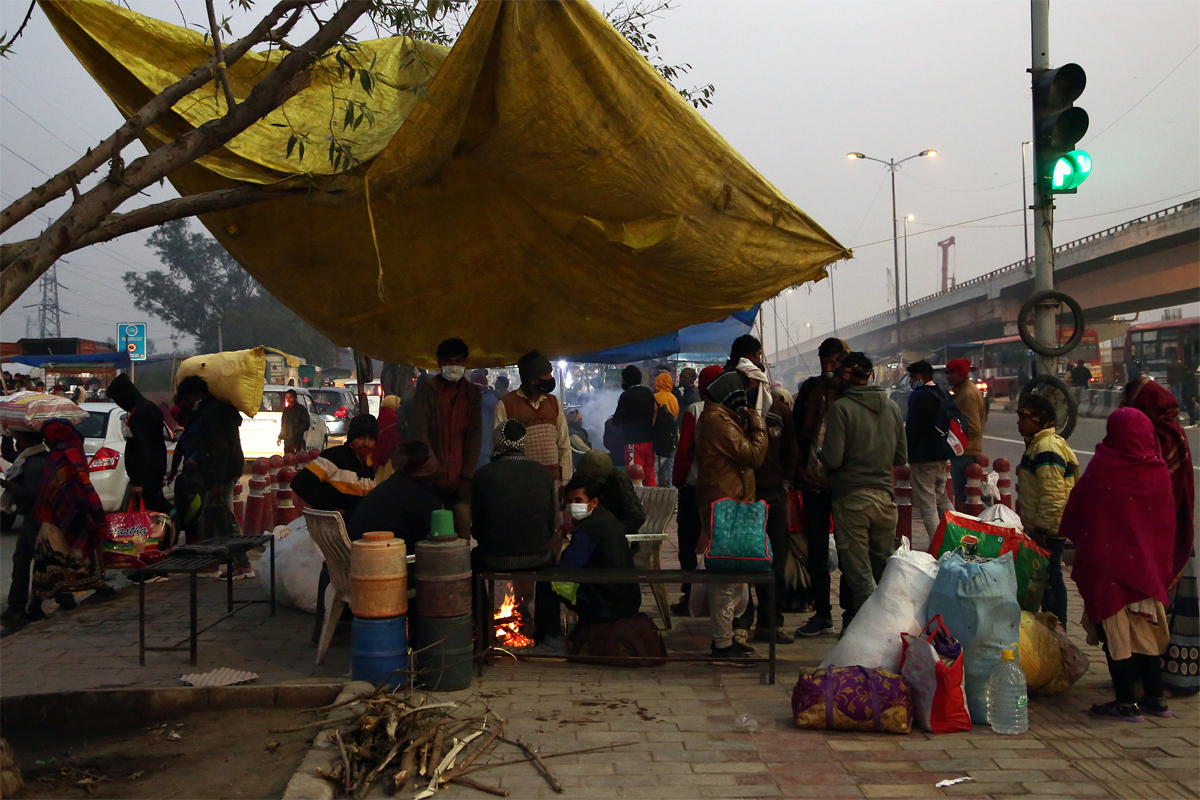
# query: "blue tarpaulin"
[[709, 338], [114, 359]]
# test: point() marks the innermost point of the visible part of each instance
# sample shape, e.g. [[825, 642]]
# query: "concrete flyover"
[[1149, 262]]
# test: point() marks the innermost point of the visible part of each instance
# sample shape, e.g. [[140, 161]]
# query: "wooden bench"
[[192, 566], [485, 590], [659, 505]]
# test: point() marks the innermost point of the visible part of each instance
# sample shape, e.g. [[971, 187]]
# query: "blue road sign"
[[131, 337]]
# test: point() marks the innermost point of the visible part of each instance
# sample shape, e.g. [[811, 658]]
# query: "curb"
[[304, 783]]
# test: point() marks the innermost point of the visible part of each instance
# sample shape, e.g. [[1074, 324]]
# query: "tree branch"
[[93, 159], [230, 100], [100, 201], [120, 224]]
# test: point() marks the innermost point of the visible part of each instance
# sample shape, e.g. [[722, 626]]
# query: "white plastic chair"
[[329, 533]]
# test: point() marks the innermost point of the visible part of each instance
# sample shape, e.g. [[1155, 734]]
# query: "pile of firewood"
[[389, 738]]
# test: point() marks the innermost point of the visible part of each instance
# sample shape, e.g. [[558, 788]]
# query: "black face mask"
[[548, 385]]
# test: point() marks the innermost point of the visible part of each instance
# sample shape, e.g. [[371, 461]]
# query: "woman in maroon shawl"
[[1120, 517], [1181, 668], [389, 438], [66, 557]]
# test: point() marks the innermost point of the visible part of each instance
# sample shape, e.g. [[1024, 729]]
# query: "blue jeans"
[[1054, 598], [958, 473]]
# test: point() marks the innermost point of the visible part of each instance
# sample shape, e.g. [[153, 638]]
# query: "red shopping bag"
[[133, 537], [932, 664]]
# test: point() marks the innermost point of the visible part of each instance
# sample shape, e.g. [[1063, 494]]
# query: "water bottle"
[[1007, 697]]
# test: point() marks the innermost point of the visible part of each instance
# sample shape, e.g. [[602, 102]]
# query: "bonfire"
[[508, 624]]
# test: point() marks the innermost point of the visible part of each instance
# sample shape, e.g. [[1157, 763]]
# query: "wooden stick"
[[551, 755], [439, 744], [373, 774], [479, 786], [541, 767], [461, 768]]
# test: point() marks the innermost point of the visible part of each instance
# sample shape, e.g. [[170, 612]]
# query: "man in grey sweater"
[[862, 441]]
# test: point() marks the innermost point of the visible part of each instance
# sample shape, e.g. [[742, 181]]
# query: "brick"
[[653, 768], [1115, 770], [740, 791], [881, 766], [898, 790], [1031, 763], [987, 788], [1157, 790], [728, 768], [1055, 789], [959, 765], [822, 791]]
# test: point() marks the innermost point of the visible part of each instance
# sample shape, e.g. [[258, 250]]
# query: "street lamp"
[[907, 220], [892, 165]]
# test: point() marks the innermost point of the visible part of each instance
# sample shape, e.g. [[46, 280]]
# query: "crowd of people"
[[521, 479]]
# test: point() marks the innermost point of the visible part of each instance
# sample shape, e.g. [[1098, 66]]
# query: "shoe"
[[734, 650], [35, 613], [12, 614], [99, 596], [816, 626], [66, 602], [550, 646], [1118, 712], [239, 573], [211, 572], [681, 609], [781, 635], [1155, 708]]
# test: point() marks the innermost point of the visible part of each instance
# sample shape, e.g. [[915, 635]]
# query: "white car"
[[260, 434], [104, 435]]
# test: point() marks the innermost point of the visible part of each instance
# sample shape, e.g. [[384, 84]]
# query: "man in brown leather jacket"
[[731, 442]]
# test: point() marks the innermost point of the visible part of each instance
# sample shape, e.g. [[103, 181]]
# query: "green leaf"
[[302, 151], [349, 120], [292, 143], [365, 78]]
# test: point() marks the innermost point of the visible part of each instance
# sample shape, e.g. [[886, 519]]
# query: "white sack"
[[298, 564], [1003, 516]]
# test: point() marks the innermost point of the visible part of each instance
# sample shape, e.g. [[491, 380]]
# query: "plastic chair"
[[329, 533], [659, 504]]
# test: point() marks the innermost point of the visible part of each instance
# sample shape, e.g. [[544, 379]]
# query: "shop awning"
[[708, 339]]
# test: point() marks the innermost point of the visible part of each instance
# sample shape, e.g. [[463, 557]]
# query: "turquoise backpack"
[[739, 537]]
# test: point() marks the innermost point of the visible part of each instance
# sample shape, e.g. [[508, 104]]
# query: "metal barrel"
[[379, 650], [443, 652]]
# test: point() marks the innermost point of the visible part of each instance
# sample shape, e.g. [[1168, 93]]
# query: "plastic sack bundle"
[[896, 606], [977, 601], [235, 377], [1032, 563], [1051, 661], [1003, 516], [27, 411], [852, 699], [298, 564], [933, 666]]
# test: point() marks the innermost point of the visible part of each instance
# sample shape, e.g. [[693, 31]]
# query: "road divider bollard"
[[1004, 484], [254, 502], [974, 491], [902, 478], [285, 509], [276, 464]]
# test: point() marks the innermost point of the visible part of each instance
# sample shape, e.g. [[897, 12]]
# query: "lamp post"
[[1025, 202], [907, 220], [892, 165]]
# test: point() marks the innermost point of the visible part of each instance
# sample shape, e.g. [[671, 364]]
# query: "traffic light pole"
[[1043, 202]]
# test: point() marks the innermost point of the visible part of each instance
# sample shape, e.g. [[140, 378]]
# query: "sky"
[[798, 85]]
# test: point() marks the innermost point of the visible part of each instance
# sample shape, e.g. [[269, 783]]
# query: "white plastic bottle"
[[1007, 697]]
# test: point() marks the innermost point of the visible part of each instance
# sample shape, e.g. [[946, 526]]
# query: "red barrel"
[[902, 478], [285, 509], [974, 491], [254, 503], [1004, 484]]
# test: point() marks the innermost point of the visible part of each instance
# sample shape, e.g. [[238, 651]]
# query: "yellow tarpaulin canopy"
[[539, 185]]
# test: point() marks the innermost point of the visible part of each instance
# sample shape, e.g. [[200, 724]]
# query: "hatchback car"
[[260, 434], [104, 434], [336, 406]]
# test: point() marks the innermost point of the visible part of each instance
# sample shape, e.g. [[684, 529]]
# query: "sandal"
[[1155, 708], [1118, 712]]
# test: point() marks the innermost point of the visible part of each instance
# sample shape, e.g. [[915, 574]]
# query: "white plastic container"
[[1008, 697]]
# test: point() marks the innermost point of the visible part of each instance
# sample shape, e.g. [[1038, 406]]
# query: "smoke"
[[596, 408]]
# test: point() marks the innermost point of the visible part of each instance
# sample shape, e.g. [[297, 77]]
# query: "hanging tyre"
[[1066, 408], [1045, 298]]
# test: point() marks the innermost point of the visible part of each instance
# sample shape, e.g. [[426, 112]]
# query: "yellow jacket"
[[1045, 478], [971, 403]]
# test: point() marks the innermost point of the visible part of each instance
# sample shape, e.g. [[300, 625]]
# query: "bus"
[[1156, 344], [1005, 363]]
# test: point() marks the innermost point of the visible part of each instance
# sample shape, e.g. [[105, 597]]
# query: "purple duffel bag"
[[852, 699]]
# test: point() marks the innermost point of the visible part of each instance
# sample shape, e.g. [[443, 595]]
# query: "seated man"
[[513, 519], [341, 476], [404, 503], [617, 494], [598, 542]]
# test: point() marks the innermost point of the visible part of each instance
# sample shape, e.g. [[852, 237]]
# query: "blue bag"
[[739, 537]]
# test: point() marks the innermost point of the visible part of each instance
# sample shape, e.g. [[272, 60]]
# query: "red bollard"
[[291, 460], [254, 503], [974, 504], [239, 506], [983, 462], [902, 479], [1004, 484], [285, 510], [636, 474], [314, 454], [269, 493]]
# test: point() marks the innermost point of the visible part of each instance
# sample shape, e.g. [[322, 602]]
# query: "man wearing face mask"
[[448, 416], [929, 453], [597, 542], [548, 441], [813, 400], [864, 438]]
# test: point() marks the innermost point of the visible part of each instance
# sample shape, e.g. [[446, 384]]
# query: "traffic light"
[[1058, 125]]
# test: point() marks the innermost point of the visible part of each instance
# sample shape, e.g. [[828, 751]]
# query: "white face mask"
[[453, 373], [579, 510]]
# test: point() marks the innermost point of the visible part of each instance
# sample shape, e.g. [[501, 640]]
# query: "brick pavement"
[[682, 716]]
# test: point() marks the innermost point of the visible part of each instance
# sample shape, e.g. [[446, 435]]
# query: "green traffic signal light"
[[1070, 170]]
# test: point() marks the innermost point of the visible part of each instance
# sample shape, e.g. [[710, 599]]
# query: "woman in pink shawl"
[[1121, 517]]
